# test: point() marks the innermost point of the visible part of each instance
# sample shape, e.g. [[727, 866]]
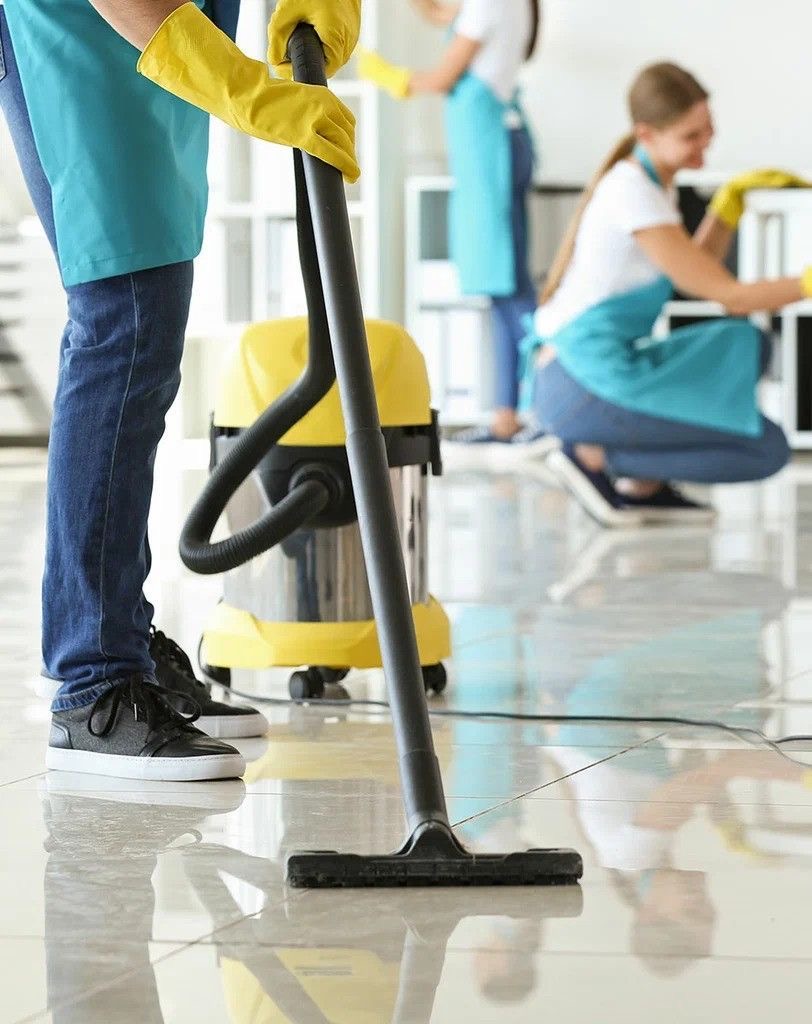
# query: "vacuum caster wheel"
[[306, 684], [332, 675], [213, 673], [435, 678]]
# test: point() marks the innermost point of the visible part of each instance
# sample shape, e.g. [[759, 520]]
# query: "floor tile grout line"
[[25, 778], [553, 782]]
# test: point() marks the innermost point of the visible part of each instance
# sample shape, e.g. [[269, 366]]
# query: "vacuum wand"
[[431, 854], [369, 467]]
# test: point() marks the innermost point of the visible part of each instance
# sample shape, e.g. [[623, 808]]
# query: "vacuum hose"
[[310, 493]]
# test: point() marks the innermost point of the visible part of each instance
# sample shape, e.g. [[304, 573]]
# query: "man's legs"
[[119, 373]]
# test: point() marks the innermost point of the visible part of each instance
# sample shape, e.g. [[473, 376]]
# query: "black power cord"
[[746, 733]]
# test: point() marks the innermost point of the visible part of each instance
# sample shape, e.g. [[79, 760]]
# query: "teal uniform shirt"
[[126, 161]]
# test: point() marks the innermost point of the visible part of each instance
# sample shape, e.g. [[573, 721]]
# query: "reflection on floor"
[[149, 903]]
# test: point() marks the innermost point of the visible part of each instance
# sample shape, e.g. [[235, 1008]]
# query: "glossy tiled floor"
[[147, 903]]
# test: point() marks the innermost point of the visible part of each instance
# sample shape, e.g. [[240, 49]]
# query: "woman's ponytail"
[[622, 151], [536, 10]]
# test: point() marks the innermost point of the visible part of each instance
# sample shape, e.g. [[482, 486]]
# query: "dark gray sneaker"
[[174, 672], [133, 731]]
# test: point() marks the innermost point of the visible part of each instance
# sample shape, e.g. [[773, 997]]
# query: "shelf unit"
[[773, 241], [248, 270], [453, 330]]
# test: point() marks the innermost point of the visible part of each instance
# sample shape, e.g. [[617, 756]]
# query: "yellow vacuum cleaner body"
[[306, 602]]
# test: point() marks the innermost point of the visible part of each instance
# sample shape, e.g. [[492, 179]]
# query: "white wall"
[[754, 57]]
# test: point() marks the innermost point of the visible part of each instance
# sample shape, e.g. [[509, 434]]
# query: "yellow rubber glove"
[[191, 58], [728, 202], [389, 77], [337, 22], [806, 287]]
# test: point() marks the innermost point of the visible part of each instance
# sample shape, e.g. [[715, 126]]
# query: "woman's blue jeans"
[[643, 447], [509, 312], [119, 371]]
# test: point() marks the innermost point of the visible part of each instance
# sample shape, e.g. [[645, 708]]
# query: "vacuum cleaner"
[[316, 464], [306, 601]]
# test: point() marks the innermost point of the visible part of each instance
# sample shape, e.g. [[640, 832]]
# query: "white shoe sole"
[[224, 798], [155, 769], [591, 500], [233, 727]]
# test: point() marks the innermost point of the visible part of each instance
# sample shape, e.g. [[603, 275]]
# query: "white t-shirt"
[[503, 27], [607, 260]]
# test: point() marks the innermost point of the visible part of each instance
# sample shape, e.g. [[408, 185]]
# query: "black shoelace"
[[173, 653], [148, 702]]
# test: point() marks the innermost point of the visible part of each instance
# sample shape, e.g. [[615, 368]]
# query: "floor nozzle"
[[433, 856]]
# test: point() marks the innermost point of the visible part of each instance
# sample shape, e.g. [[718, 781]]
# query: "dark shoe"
[[174, 672], [132, 731], [593, 490], [668, 505]]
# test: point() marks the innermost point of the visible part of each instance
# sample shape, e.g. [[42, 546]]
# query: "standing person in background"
[[491, 159]]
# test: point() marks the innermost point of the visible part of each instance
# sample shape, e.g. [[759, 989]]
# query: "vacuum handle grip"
[[307, 56]]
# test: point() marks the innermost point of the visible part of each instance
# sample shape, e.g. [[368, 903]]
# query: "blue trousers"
[[644, 447], [119, 371], [508, 312]]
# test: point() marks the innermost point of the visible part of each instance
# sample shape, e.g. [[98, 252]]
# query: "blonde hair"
[[660, 95]]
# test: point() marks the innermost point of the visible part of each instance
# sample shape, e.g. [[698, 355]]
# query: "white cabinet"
[[773, 241], [453, 330], [249, 270]]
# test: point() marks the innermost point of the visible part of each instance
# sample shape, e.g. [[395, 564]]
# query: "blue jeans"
[[508, 312], [644, 447], [119, 371]]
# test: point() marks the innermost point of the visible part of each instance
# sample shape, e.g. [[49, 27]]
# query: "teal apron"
[[704, 374], [480, 226], [126, 160]]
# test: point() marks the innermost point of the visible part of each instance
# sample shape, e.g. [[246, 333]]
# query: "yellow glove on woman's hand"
[[191, 58], [337, 22], [389, 77], [806, 287], [728, 203]]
